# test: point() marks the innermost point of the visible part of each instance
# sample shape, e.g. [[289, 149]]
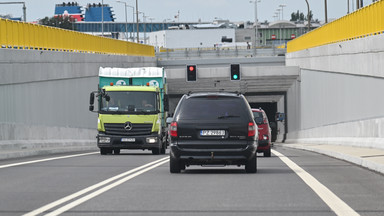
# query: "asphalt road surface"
[[291, 182]]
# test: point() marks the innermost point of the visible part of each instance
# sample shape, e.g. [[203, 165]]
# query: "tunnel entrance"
[[270, 109]]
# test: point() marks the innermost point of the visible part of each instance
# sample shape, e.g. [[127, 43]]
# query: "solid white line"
[[334, 202], [43, 160], [102, 190], [88, 189]]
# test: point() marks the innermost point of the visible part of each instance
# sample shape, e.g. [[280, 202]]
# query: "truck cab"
[[132, 107]]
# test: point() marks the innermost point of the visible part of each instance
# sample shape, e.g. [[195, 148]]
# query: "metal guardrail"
[[222, 52], [364, 22], [21, 35]]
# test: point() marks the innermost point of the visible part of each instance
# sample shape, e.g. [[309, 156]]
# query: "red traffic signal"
[[191, 72]]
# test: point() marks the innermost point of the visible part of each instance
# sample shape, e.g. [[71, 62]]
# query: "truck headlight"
[[104, 139], [151, 140]]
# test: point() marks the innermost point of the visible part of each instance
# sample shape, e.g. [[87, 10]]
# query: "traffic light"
[[191, 72], [235, 72]]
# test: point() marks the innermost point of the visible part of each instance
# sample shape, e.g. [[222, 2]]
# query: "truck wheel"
[[163, 148], [174, 165], [103, 151], [155, 151], [251, 165]]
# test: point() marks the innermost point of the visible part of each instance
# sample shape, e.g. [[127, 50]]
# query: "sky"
[[194, 10]]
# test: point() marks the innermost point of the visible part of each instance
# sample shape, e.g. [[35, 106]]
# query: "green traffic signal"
[[235, 72]]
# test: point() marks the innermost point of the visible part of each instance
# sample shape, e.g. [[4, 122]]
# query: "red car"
[[261, 120]]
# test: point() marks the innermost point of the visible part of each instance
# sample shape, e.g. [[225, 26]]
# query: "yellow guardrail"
[[364, 22], [21, 35]]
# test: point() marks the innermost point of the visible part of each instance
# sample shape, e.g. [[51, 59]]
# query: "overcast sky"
[[193, 10]]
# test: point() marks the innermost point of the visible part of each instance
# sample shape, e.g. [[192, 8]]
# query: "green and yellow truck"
[[132, 109]]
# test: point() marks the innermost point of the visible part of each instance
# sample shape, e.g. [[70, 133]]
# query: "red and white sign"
[[293, 36], [273, 37]]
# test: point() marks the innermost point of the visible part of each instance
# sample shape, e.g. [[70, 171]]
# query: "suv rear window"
[[212, 107]]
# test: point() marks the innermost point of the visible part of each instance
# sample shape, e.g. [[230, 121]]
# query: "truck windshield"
[[129, 102]]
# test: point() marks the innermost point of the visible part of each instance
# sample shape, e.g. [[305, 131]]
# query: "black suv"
[[213, 129]]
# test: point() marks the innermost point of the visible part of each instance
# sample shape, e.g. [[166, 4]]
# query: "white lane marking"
[[43, 160], [88, 189], [334, 202], [102, 190]]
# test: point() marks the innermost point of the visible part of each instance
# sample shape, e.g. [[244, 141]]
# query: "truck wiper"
[[227, 116]]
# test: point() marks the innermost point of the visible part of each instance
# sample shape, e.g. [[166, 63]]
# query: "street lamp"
[[278, 10], [102, 18], [126, 19], [282, 18], [164, 22], [256, 33], [326, 11], [24, 8], [137, 20], [133, 20], [145, 29], [282, 10], [151, 18], [309, 21]]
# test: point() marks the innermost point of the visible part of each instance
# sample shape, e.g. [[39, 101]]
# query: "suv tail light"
[[251, 129], [173, 129]]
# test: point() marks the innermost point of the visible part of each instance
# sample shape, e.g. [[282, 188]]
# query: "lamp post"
[[282, 10], [137, 20], [145, 29], [326, 11], [165, 22], [282, 18], [24, 8], [102, 18], [309, 21], [347, 6], [278, 10], [256, 33], [151, 18], [133, 21], [126, 19]]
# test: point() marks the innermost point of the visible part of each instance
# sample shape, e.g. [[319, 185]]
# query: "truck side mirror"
[[166, 103], [92, 98], [91, 101]]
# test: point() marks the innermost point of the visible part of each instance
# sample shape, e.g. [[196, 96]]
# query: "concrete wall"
[[340, 92], [45, 95]]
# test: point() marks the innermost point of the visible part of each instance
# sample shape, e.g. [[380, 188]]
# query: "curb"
[[21, 148], [377, 167]]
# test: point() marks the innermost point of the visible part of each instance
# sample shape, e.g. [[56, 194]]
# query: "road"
[[291, 182]]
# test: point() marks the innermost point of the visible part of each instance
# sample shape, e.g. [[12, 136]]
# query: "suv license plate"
[[127, 139], [212, 133]]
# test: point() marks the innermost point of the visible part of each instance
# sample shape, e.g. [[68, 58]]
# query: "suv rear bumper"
[[220, 156]]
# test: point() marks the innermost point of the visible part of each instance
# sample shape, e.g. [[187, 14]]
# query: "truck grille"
[[118, 129]]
